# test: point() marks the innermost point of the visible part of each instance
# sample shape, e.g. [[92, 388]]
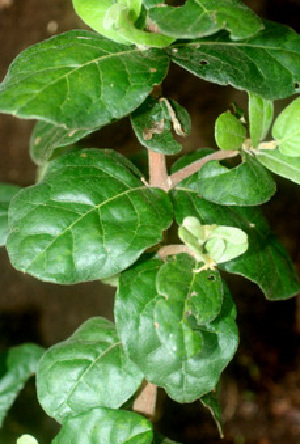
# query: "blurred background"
[[261, 387]]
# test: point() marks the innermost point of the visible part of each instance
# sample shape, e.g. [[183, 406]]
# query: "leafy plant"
[[93, 215]]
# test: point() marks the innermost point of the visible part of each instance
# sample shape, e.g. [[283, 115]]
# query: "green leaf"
[[260, 118], [116, 21], [176, 353], [80, 80], [247, 184], [47, 140], [7, 192], [265, 262], [285, 166], [90, 218], [267, 64], [211, 402], [158, 439], [177, 281], [105, 426], [286, 130], [229, 132], [153, 122], [197, 18], [21, 363], [88, 370]]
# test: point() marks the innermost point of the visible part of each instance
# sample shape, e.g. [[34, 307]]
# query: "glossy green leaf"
[[265, 262], [80, 80], [47, 140], [267, 64], [89, 218], [177, 353], [285, 166], [247, 184], [105, 426], [286, 130], [211, 402], [197, 18], [177, 281], [88, 370], [116, 20], [27, 439], [154, 121], [21, 363], [260, 118], [230, 133], [7, 192]]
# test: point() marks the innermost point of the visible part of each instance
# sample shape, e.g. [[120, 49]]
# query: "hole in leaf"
[[297, 85], [203, 62], [211, 278]]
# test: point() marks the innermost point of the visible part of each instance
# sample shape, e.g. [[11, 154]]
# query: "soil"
[[261, 387]]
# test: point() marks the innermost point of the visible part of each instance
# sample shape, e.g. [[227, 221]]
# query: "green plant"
[[92, 215]]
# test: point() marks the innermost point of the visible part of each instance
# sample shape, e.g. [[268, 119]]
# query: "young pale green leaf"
[[96, 14], [154, 121], [168, 351], [211, 402], [260, 118], [48, 140], [88, 370], [265, 262], [27, 439], [212, 242], [286, 130], [105, 426], [89, 218], [226, 243], [21, 363], [230, 133], [116, 21], [267, 64], [247, 184], [285, 166], [7, 192], [80, 80], [197, 18]]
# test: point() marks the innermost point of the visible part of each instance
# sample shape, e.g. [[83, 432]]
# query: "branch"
[[145, 402], [158, 176], [169, 250], [187, 171]]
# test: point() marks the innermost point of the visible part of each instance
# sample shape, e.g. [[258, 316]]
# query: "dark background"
[[261, 387]]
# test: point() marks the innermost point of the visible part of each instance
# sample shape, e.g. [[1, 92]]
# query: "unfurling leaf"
[[260, 118], [117, 21], [220, 243]]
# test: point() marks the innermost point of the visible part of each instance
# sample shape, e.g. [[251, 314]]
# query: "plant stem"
[[158, 176], [187, 171], [145, 402], [168, 250]]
